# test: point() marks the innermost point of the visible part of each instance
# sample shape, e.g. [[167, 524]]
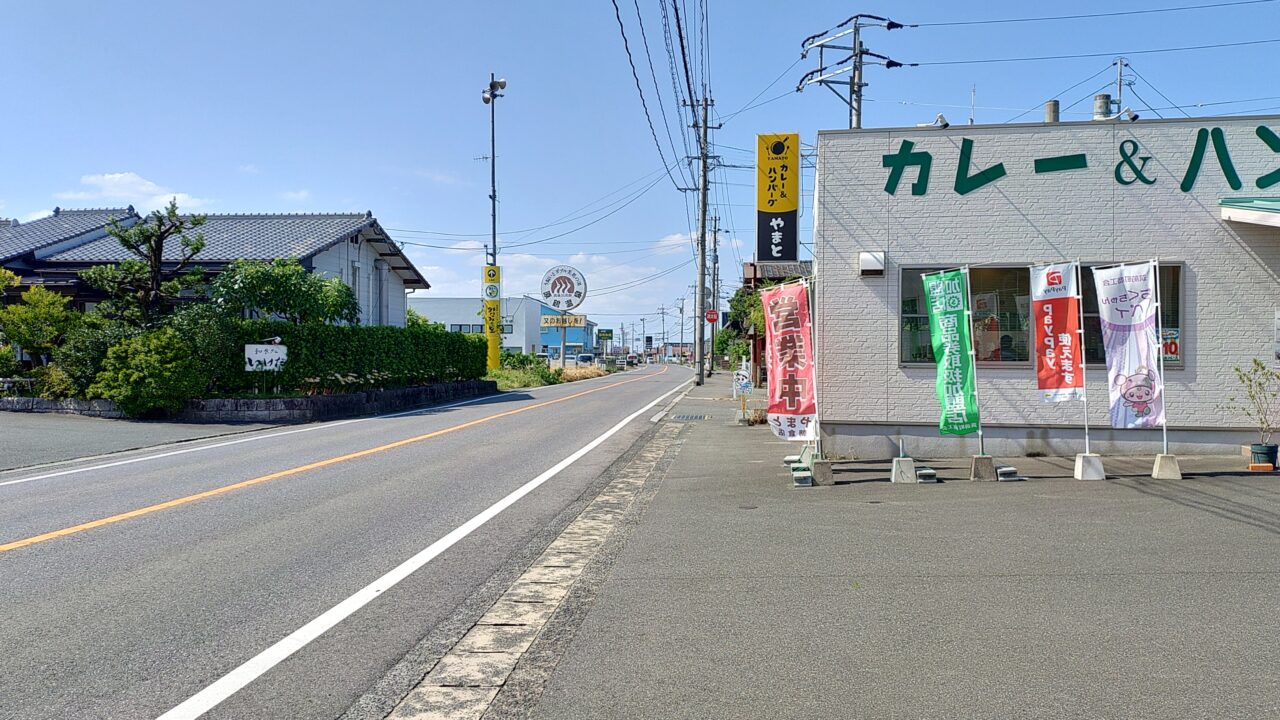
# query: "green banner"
[[947, 295]]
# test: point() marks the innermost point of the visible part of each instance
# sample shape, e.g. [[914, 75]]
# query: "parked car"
[[586, 359]]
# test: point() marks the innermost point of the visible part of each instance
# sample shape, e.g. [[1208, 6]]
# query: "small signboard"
[[1172, 341], [265, 358], [605, 334], [713, 315], [564, 321]]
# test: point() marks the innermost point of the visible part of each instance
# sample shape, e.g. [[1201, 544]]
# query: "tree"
[[143, 287], [39, 322], [413, 318], [286, 289], [8, 280]]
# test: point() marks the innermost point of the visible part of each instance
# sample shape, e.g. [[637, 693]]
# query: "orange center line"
[[299, 469]]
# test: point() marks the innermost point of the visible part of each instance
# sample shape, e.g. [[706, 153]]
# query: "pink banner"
[[789, 354], [1128, 307]]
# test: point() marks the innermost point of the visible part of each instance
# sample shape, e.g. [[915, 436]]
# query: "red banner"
[[1056, 311], [789, 353]]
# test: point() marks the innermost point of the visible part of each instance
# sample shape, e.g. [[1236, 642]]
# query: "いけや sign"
[[265, 358]]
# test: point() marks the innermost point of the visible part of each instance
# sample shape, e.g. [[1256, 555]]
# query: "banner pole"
[[1084, 362], [1164, 405], [817, 407], [973, 357]]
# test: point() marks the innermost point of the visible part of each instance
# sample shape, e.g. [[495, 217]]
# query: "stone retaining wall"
[[277, 410]]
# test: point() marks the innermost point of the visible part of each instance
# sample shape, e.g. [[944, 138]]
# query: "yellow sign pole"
[[492, 277]]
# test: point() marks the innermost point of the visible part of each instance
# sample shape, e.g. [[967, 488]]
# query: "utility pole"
[[662, 312], [644, 338], [1121, 63], [681, 306], [492, 306], [715, 286], [826, 73], [700, 294]]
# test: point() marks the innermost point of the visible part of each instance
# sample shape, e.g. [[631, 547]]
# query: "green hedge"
[[341, 357]]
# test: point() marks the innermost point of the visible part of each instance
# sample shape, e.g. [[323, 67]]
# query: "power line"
[[1063, 92], [684, 56], [1146, 104], [635, 76], [1103, 54], [657, 91], [1091, 15], [1153, 87], [559, 221]]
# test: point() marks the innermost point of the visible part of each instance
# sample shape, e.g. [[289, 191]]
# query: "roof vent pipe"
[[1102, 106], [1051, 111]]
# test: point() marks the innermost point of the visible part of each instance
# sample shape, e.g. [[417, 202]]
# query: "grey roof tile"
[[16, 240], [249, 237]]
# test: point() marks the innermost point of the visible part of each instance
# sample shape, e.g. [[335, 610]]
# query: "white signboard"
[[563, 287], [265, 358]]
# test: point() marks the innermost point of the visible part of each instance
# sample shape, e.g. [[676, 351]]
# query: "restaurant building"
[[1199, 195]]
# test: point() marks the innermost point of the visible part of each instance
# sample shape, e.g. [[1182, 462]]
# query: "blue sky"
[[237, 106]]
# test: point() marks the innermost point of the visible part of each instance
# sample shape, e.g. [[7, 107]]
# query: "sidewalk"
[[726, 593]]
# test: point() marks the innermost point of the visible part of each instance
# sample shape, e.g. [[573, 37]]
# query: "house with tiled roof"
[[53, 250]]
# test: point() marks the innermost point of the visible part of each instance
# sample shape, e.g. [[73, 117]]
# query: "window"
[[458, 328], [477, 328], [507, 329], [1000, 301], [1170, 316]]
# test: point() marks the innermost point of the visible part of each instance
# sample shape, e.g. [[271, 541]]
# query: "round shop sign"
[[563, 287]]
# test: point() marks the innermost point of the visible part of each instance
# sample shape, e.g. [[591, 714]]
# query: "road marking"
[[232, 682], [296, 470], [255, 438]]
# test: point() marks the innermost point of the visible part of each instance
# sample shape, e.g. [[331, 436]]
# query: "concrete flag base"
[[1089, 467], [983, 469], [1166, 468], [904, 470]]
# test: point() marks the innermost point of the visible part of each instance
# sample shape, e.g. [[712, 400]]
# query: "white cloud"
[[296, 195], [248, 169], [36, 215], [129, 188]]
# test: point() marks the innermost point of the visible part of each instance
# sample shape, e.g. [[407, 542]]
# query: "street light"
[[493, 305]]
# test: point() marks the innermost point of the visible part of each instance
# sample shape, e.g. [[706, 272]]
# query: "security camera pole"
[[491, 294]]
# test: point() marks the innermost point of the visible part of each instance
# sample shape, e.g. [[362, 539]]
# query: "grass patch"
[[512, 378], [583, 373]]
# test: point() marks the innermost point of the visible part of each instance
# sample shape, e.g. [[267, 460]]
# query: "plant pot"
[[1264, 453]]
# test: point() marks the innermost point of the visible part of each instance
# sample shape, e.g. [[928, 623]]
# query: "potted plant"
[[1260, 402]]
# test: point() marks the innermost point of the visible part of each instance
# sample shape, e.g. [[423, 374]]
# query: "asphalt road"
[[31, 439], [127, 617]]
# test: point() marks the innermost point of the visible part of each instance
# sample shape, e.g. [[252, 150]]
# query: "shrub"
[[39, 322], [85, 347], [9, 366], [521, 361], [53, 383], [151, 372], [286, 289], [215, 342], [342, 358]]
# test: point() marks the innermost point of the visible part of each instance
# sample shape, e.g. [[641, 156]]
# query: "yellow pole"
[[492, 278]]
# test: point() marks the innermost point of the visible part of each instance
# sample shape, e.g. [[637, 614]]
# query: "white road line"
[[255, 438], [232, 682]]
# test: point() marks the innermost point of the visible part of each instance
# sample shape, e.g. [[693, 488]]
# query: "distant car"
[[586, 359], [544, 357], [632, 360]]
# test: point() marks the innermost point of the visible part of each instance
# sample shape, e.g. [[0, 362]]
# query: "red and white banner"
[[1055, 305], [789, 357]]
